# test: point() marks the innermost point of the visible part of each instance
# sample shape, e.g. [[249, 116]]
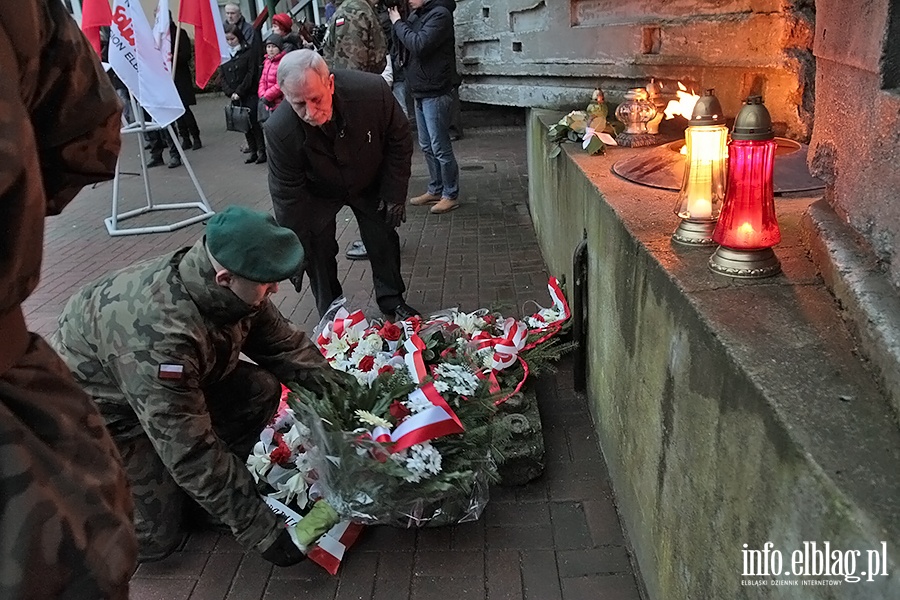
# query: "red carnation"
[[398, 411], [280, 455], [390, 332], [386, 369], [366, 363]]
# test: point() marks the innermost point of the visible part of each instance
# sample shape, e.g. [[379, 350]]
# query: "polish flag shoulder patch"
[[339, 22], [169, 371]]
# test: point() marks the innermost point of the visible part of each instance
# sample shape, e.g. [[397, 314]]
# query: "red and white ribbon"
[[414, 359], [431, 423], [559, 300], [343, 323], [328, 551], [507, 348]]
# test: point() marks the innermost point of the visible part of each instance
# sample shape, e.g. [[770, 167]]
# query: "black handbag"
[[237, 118]]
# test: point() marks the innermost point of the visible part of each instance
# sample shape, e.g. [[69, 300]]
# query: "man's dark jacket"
[[429, 38], [312, 175]]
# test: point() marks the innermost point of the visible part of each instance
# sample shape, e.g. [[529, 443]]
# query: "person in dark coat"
[[429, 37], [184, 83], [399, 54], [340, 139], [239, 82]]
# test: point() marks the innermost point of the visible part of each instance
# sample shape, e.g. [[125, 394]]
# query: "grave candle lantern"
[[747, 228]]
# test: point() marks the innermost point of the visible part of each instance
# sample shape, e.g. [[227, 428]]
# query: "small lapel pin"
[[370, 136]]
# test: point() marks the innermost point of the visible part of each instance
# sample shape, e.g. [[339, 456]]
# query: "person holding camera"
[[428, 36]]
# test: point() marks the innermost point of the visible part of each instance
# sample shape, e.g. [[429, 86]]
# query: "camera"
[[393, 3]]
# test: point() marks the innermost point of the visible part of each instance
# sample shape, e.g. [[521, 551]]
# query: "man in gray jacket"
[[340, 139]]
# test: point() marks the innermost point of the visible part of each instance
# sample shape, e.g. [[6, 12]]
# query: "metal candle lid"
[[707, 111], [753, 122]]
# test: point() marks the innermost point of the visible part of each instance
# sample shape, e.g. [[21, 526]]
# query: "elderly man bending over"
[[340, 139], [157, 346]]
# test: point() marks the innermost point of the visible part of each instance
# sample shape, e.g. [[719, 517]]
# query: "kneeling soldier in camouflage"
[[157, 346]]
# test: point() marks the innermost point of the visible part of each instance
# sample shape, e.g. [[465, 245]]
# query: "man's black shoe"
[[155, 161], [404, 311], [186, 144], [174, 162], [197, 143], [357, 251]]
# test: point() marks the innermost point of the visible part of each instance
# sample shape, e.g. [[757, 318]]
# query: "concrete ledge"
[[729, 412], [868, 300]]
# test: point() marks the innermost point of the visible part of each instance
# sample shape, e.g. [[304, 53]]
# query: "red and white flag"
[[210, 47], [94, 15], [137, 62]]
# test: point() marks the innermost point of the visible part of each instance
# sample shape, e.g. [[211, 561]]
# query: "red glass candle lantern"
[[703, 186], [747, 228]]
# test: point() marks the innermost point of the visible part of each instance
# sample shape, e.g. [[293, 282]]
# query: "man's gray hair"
[[233, 5], [295, 66]]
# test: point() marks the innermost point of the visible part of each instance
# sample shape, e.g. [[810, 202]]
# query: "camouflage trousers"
[[239, 406], [65, 507]]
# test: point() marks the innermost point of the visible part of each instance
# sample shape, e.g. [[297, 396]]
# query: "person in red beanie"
[[283, 25]]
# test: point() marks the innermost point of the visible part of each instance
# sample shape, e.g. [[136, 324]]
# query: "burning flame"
[[684, 106]]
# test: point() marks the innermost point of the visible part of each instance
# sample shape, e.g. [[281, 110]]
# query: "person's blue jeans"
[[433, 124], [399, 90]]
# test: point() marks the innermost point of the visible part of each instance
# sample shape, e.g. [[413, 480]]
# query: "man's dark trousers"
[[383, 245]]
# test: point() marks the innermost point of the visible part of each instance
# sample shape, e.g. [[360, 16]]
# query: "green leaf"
[[555, 150], [595, 146]]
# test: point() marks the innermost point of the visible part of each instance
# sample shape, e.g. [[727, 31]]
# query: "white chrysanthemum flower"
[[366, 417], [441, 386], [418, 403], [423, 461], [485, 357], [458, 377], [469, 322], [361, 376]]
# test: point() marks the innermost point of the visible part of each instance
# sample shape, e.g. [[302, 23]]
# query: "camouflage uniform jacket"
[[355, 38], [64, 103], [116, 333]]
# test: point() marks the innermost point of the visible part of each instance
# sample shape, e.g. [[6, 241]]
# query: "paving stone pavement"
[[557, 538]]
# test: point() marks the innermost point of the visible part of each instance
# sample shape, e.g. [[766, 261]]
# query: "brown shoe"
[[444, 206], [425, 198]]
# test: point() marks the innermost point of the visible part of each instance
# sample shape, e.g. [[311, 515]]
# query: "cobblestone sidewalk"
[[556, 538]]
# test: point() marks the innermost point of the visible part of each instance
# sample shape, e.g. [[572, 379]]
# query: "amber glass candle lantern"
[[703, 186], [747, 228]]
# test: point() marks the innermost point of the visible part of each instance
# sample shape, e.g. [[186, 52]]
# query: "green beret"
[[251, 244]]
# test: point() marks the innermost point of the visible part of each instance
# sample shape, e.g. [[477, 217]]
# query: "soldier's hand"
[[394, 214], [283, 552]]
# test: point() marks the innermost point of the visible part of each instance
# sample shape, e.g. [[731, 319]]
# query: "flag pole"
[[175, 52]]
